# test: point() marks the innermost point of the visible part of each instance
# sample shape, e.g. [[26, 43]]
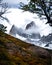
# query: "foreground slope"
[[16, 52]]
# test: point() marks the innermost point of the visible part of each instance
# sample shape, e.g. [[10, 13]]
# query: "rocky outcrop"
[[31, 24], [13, 30], [47, 38]]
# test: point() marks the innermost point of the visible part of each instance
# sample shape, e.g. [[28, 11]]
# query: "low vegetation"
[[16, 52]]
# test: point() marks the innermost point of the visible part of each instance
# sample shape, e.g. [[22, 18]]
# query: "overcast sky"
[[15, 1]]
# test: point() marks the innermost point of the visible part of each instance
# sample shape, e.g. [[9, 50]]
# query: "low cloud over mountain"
[[28, 32]]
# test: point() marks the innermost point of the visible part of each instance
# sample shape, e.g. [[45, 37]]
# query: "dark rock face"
[[35, 36], [47, 38], [24, 35], [32, 28], [30, 25], [13, 30]]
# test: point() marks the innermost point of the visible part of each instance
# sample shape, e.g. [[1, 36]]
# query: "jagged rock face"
[[13, 30], [35, 36], [47, 38], [30, 25], [24, 33], [32, 30]]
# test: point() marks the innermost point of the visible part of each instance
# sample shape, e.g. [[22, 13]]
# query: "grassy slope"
[[16, 52]]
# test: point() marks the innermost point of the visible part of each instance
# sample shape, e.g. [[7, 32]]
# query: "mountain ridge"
[[24, 32]]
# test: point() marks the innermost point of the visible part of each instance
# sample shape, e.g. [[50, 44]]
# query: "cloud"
[[21, 19], [15, 1], [10, 1]]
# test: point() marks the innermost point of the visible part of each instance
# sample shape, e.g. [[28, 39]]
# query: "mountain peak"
[[13, 30], [31, 24]]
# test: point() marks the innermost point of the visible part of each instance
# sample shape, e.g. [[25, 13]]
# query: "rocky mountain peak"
[[31, 24], [13, 30]]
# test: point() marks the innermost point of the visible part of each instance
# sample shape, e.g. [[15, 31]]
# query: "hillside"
[[16, 52]]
